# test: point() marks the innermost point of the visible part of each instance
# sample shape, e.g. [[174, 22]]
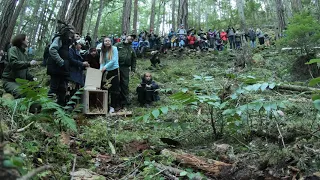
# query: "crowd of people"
[[68, 55], [65, 64]]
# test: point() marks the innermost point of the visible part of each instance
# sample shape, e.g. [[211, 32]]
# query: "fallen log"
[[297, 88], [212, 166]]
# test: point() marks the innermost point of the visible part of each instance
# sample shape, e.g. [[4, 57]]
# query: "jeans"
[[232, 42], [252, 44]]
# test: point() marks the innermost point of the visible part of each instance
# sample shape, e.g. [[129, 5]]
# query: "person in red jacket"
[[192, 41], [224, 37]]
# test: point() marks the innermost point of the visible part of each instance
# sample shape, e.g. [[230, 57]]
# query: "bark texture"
[[5, 20], [135, 16], [8, 30], [173, 15], [153, 13], [183, 13], [95, 33], [126, 16], [78, 12]]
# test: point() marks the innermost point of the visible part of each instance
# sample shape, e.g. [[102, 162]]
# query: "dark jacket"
[[76, 67], [17, 66], [93, 61], [58, 62], [127, 57], [154, 86]]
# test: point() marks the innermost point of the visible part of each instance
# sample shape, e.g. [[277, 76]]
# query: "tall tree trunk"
[[135, 16], [126, 16], [296, 6], [153, 9], [46, 24], [78, 12], [240, 7], [33, 27], [183, 13], [173, 15], [63, 10], [21, 18], [95, 32], [318, 9], [41, 22], [62, 13], [91, 16], [199, 14], [287, 8], [163, 17], [158, 18], [8, 20], [280, 14]]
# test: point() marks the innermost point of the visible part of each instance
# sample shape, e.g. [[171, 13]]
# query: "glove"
[[60, 63], [33, 62]]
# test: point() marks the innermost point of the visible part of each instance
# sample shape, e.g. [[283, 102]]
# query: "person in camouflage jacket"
[[127, 62]]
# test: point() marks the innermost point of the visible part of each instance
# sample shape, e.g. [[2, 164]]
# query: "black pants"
[[1, 68], [114, 90], [232, 42], [58, 87], [145, 95], [261, 41]]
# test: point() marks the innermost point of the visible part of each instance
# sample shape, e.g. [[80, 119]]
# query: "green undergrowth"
[[204, 101]]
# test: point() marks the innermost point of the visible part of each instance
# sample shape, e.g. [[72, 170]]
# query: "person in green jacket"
[[127, 61], [18, 66]]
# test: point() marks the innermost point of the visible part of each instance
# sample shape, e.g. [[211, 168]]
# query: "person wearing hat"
[[93, 58], [58, 62], [127, 62]]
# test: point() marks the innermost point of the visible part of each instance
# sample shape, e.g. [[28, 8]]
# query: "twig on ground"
[[174, 170], [242, 143], [73, 166], [280, 135], [35, 172], [19, 130], [316, 151], [14, 111]]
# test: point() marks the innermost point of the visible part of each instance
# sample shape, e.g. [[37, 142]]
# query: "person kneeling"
[[147, 90], [155, 60]]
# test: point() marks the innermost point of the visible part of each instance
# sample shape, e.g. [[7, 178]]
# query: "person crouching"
[[147, 90]]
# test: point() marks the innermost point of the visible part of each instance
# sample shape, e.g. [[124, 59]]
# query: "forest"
[[236, 89]]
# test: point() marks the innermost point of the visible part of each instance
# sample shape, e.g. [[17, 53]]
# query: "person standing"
[[109, 63], [127, 62], [88, 39], [58, 63], [231, 36], [252, 37], [18, 66]]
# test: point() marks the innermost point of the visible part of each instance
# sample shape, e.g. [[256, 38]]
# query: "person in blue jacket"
[[109, 63], [76, 66]]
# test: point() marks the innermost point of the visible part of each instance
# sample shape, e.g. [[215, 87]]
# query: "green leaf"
[[164, 110], [146, 117], [155, 113], [313, 61], [229, 112], [314, 81], [183, 173], [184, 90], [264, 86], [196, 77], [21, 81], [316, 104], [75, 98], [255, 87], [315, 97], [113, 150], [272, 85], [268, 106], [8, 164]]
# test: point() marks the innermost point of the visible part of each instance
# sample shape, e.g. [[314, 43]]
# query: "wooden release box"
[[95, 100]]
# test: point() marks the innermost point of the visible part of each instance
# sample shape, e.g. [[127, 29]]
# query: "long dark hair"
[[104, 50]]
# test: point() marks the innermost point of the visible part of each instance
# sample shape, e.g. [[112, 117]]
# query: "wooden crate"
[[95, 102]]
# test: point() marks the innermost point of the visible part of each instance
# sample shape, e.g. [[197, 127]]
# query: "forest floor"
[[213, 121]]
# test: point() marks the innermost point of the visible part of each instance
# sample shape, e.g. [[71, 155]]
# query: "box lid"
[[93, 79]]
